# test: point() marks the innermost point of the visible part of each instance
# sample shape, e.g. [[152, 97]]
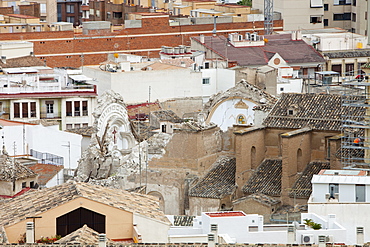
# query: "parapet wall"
[[176, 245]]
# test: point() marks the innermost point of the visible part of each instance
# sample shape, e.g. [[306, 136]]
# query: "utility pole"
[[69, 156]]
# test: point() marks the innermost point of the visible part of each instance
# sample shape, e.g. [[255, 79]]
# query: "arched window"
[[241, 119], [253, 157], [299, 160]]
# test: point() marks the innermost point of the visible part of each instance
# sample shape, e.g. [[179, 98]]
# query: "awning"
[[80, 78], [316, 4]]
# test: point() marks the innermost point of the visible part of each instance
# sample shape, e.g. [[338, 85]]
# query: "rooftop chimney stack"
[[201, 37], [214, 231], [360, 235], [30, 236], [211, 240], [102, 240]]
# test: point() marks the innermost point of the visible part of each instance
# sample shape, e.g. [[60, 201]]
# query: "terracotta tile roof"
[[27, 61], [84, 131], [318, 111], [346, 54], [167, 115], [38, 201], [84, 235], [259, 197], [22, 16], [13, 170], [5, 122], [218, 182], [183, 220], [266, 179], [292, 51], [302, 187], [45, 172]]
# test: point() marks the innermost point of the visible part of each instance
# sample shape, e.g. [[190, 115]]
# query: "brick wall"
[[33, 9], [48, 45], [174, 245]]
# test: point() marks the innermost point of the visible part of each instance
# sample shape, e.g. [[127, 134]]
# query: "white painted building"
[[160, 81], [238, 227], [50, 142], [345, 193]]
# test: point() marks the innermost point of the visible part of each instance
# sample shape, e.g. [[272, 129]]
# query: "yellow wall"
[[119, 223]]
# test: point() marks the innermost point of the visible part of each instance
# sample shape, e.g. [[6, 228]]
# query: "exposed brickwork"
[[6, 10], [94, 47], [33, 9]]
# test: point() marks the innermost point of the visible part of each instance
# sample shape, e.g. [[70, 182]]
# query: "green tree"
[[245, 2]]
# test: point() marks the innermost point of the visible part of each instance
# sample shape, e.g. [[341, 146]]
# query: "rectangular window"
[[17, 110], [326, 22], [84, 108], [360, 193], [316, 4], [353, 17], [315, 19], [326, 7], [84, 125], [117, 15], [32, 184], [49, 106], [70, 8], [77, 126], [24, 110], [77, 108], [69, 126], [24, 184], [70, 19], [333, 189], [354, 2], [69, 108], [342, 17], [108, 15], [33, 109], [205, 81]]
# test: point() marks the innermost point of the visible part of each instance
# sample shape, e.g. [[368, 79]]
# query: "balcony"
[[85, 7], [45, 115]]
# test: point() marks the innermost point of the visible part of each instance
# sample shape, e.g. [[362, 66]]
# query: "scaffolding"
[[355, 140]]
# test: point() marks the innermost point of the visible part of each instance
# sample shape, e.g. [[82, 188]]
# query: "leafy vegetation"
[[245, 3], [312, 224]]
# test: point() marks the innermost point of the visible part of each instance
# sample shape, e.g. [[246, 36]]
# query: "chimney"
[[30, 236], [322, 240], [3, 59], [294, 35], [214, 231], [211, 240], [291, 235], [102, 240], [201, 38], [299, 35], [360, 235]]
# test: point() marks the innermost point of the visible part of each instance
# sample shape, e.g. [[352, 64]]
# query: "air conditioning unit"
[[307, 239], [329, 238]]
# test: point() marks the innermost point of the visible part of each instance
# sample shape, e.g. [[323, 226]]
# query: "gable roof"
[[45, 172], [318, 111], [27, 61], [218, 182], [302, 187], [39, 201], [292, 51], [266, 179], [83, 235]]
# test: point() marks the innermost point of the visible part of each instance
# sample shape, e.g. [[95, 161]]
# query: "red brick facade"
[[78, 49]]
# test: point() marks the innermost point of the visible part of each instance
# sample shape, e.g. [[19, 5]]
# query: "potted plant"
[[310, 223]]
